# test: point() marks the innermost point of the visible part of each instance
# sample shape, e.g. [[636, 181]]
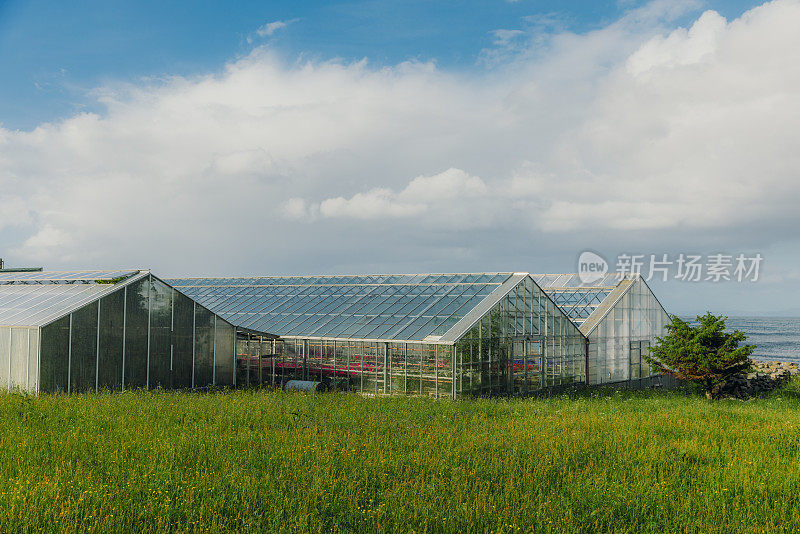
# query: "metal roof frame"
[[600, 313], [345, 314], [477, 313], [77, 304]]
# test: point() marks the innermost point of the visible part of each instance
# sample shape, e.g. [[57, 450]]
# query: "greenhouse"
[[82, 331], [620, 317], [445, 335]]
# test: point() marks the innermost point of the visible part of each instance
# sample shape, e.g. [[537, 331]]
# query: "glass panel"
[[444, 366], [5, 354], [370, 369], [204, 348], [33, 361], [355, 354], [413, 369], [183, 319], [314, 359], [429, 369], [111, 332], [327, 360], [636, 364], [223, 366], [533, 365], [242, 361], [645, 351], [84, 349], [55, 356], [161, 352], [19, 359], [136, 335]]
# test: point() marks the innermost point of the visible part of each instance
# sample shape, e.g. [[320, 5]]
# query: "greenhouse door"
[[639, 368], [533, 364], [527, 365]]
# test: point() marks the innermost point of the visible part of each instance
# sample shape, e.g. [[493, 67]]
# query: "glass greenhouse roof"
[[38, 298], [576, 298], [389, 307], [64, 277]]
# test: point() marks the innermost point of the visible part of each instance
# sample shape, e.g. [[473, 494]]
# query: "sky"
[[247, 138]]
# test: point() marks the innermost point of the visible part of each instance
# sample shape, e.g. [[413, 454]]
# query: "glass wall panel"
[[256, 361], [343, 365], [83, 369], [109, 366], [533, 364], [328, 359], [33, 361], [314, 359], [397, 366], [161, 352], [353, 355], [203, 348], [19, 358], [414, 368], [182, 340], [370, 367], [382, 367], [54, 372], [272, 369], [243, 360], [444, 366], [519, 371], [428, 363], [5, 356], [636, 360], [223, 366], [136, 334], [298, 365], [289, 359], [271, 348]]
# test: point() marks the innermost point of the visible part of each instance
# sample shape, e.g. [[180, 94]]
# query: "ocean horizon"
[[775, 338]]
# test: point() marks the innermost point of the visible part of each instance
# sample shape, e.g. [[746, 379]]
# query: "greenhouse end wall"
[[525, 344], [19, 359], [619, 342], [143, 335]]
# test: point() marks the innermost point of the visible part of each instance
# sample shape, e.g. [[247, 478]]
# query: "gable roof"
[[587, 304], [577, 299], [36, 299], [412, 307]]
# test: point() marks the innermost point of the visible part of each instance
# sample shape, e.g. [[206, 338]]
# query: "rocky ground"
[[763, 376]]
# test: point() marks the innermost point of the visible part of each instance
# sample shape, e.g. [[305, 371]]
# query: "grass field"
[[270, 461]]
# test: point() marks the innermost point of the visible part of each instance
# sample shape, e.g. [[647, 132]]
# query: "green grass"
[[269, 461]]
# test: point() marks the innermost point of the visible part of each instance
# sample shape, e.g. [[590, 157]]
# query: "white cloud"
[[271, 27], [685, 135], [682, 47], [504, 37], [374, 204], [447, 185], [423, 194], [297, 208], [13, 211]]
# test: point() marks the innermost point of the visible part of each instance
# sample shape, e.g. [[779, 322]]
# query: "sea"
[[775, 338]]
